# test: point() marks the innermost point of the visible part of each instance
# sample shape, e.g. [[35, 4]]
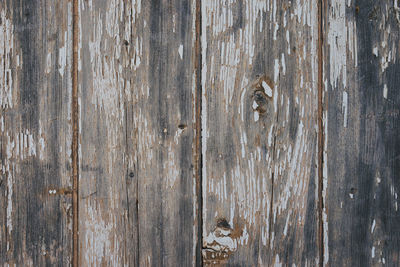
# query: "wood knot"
[[262, 93]]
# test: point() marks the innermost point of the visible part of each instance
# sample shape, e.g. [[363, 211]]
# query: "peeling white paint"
[[256, 116], [344, 108], [220, 240], [7, 51], [373, 226], [385, 91], [375, 51], [180, 51], [267, 89]]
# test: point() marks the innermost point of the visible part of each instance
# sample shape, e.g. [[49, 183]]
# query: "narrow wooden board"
[[259, 125], [137, 184], [35, 99], [361, 133]]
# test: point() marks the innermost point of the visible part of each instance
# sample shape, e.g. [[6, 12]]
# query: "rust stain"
[[75, 135], [59, 191]]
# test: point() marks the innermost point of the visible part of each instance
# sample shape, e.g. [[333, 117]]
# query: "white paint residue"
[[270, 135], [385, 91], [277, 261], [375, 51], [276, 70], [255, 105], [267, 89], [98, 237], [6, 52], [344, 108], [283, 63], [2, 123], [62, 60], [373, 226], [180, 51], [48, 63], [10, 183], [337, 40], [220, 240], [256, 116], [286, 224], [373, 252]]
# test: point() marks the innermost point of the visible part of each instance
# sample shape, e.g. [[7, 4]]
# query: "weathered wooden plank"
[[35, 98], [259, 121], [137, 184], [361, 128], [107, 191]]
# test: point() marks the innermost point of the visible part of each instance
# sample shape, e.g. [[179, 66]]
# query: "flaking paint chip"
[[267, 89], [180, 51]]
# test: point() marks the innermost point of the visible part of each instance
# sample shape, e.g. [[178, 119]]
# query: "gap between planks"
[[321, 6], [75, 136], [198, 144]]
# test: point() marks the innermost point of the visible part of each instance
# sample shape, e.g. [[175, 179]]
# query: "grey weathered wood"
[[35, 98], [137, 184], [361, 128], [259, 147], [139, 82]]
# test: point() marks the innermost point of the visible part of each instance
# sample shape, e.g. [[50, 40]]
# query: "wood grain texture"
[[361, 128], [137, 185], [259, 142], [35, 98]]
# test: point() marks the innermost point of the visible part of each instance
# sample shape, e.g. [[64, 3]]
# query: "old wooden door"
[[199, 132]]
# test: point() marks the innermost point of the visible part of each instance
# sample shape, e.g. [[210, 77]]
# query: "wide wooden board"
[[137, 184], [35, 99], [361, 133], [259, 132]]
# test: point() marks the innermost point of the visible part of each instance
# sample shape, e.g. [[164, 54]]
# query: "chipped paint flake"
[[180, 51], [345, 108], [385, 91], [373, 226], [267, 89]]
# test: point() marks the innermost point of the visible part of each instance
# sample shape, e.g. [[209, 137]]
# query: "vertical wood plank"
[[108, 232], [35, 98], [361, 128], [165, 121], [259, 121], [137, 185]]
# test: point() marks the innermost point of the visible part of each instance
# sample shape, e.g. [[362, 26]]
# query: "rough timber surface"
[[35, 99], [226, 93], [259, 141], [137, 186], [362, 133]]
